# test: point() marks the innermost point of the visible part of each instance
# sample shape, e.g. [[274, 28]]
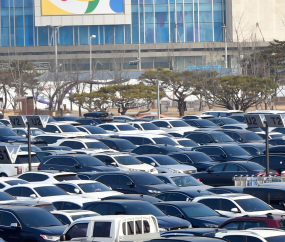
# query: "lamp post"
[[55, 31], [226, 46], [90, 42]]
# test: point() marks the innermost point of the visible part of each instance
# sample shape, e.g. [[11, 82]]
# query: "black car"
[[54, 147], [199, 215], [135, 207], [243, 136], [208, 137], [239, 117], [88, 121], [254, 148], [272, 195], [90, 129], [222, 174], [182, 194], [194, 158], [207, 232], [224, 152], [75, 163], [22, 224], [133, 182], [279, 130], [277, 141], [140, 197], [277, 149], [155, 149], [6, 134], [187, 238], [226, 189], [276, 161], [223, 121], [121, 145], [65, 118], [201, 123]]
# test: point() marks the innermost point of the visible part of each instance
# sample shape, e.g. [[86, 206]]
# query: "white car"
[[173, 125], [119, 128], [24, 132], [84, 143], [42, 192], [48, 177], [6, 182], [253, 235], [51, 138], [237, 205], [63, 128], [90, 129], [88, 189], [125, 162], [147, 126], [68, 216]]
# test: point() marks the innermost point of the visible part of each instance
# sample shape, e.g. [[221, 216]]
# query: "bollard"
[[249, 181]]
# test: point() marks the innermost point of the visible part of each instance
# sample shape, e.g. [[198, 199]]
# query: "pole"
[[55, 47], [158, 99], [267, 149], [139, 57], [29, 147], [90, 70], [226, 47]]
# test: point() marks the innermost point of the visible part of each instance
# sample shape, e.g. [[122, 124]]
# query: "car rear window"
[[66, 177], [24, 159]]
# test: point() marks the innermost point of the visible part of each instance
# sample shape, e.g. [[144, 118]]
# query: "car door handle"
[[51, 168], [119, 188]]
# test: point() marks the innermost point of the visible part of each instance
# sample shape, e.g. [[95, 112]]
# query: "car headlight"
[[133, 169], [162, 230], [173, 171], [211, 225], [190, 226], [50, 237], [154, 191]]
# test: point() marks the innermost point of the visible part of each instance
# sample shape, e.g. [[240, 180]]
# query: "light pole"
[[158, 99], [90, 42], [226, 46], [54, 33]]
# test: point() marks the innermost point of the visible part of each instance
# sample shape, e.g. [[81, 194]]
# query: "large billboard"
[[79, 7], [82, 12]]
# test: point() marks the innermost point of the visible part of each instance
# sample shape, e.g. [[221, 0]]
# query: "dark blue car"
[[6, 134], [135, 207], [199, 215], [75, 163], [21, 224], [134, 182]]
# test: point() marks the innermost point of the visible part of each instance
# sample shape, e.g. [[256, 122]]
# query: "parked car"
[[276, 161], [226, 189], [135, 207], [120, 145], [63, 128], [277, 141], [204, 232], [130, 182], [209, 137], [166, 164], [10, 181], [51, 139], [277, 149], [146, 126], [17, 224], [254, 148], [155, 149], [74, 163], [55, 147], [91, 129], [173, 125], [222, 174], [243, 136], [223, 121], [237, 205], [238, 117], [186, 239], [224, 152], [119, 128], [68, 216], [223, 113], [185, 142], [140, 197], [199, 215], [200, 123], [24, 132], [198, 116], [8, 135]]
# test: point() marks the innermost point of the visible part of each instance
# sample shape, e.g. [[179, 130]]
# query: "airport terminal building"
[[175, 34]]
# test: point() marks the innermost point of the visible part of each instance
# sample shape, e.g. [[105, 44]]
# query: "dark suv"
[[29, 224]]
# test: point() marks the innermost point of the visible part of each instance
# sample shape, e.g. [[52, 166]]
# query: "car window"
[[250, 224], [14, 191], [198, 138], [146, 160], [108, 161], [7, 218], [172, 211], [174, 196], [26, 192], [163, 196], [116, 209], [124, 180], [77, 231], [102, 209], [231, 167], [38, 177], [66, 187], [164, 179], [181, 158], [227, 205], [109, 179], [218, 168], [213, 203], [70, 206], [236, 238], [236, 225], [26, 177], [102, 229], [162, 124], [62, 218]]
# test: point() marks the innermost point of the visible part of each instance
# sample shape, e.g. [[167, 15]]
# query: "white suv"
[[237, 205]]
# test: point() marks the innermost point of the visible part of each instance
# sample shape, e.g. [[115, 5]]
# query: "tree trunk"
[[79, 110], [181, 107]]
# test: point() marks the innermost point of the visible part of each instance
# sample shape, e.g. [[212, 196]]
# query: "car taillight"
[[260, 174], [39, 167], [19, 170], [198, 179]]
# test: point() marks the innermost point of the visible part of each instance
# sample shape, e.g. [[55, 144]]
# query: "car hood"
[[181, 167], [171, 222], [274, 212], [242, 157], [141, 167], [12, 138], [160, 187], [103, 168], [101, 194], [212, 219], [53, 230]]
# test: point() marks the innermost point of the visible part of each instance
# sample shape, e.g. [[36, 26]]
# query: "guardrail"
[[248, 181]]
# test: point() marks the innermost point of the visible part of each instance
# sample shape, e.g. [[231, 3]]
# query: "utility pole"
[[226, 46]]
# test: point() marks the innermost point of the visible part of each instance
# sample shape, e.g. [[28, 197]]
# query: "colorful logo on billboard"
[[80, 7]]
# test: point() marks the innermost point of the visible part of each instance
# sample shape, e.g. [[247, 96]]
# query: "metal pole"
[[158, 99], [267, 150], [90, 71], [29, 147], [226, 47], [55, 47], [139, 57]]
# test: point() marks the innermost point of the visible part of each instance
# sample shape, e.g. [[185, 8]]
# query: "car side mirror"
[[234, 210], [168, 126], [56, 132], [62, 237], [224, 155], [131, 184], [77, 191], [209, 171], [77, 166], [114, 164], [239, 139], [14, 225], [33, 196], [115, 130], [24, 135], [152, 163]]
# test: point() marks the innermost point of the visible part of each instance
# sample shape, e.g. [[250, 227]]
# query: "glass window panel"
[[161, 62], [28, 3], [4, 3], [218, 31], [5, 37], [162, 34], [29, 21], [29, 11], [172, 33], [128, 37], [161, 1], [29, 36], [149, 33], [101, 35], [149, 18], [148, 1], [134, 2], [94, 31], [43, 36], [76, 35], [119, 32], [142, 33], [206, 32], [19, 36], [19, 21], [66, 35], [161, 14], [135, 33], [4, 21], [109, 34], [189, 32], [83, 34], [19, 3], [147, 63]]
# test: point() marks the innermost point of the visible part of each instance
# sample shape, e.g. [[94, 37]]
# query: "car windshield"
[[165, 140], [200, 210], [178, 124], [36, 132], [125, 127], [68, 128], [143, 208], [36, 220], [186, 181], [15, 182], [96, 130], [252, 204], [5, 196], [128, 160], [94, 187], [252, 136], [24, 159], [253, 166], [198, 157], [221, 137], [207, 123], [235, 150], [149, 126], [146, 179], [66, 177], [280, 238], [50, 191], [74, 217], [7, 132], [165, 160], [229, 121], [33, 148], [96, 145], [187, 143], [90, 161]]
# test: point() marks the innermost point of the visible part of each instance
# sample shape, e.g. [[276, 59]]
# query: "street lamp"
[[90, 42], [226, 46], [55, 30]]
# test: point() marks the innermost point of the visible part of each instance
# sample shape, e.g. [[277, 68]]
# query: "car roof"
[[77, 182], [74, 212], [33, 185], [180, 203], [233, 196], [51, 172], [85, 140], [207, 131], [262, 232], [20, 208], [171, 174], [273, 187], [68, 155]]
